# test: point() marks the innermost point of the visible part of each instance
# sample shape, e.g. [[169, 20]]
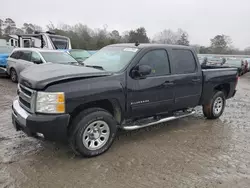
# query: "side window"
[[158, 61], [11, 42], [36, 58], [25, 55], [184, 61], [14, 55]]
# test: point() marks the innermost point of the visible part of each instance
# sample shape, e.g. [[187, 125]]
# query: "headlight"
[[50, 102]]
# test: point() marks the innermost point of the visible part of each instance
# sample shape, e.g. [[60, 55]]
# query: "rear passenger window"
[[158, 61], [25, 55], [184, 61]]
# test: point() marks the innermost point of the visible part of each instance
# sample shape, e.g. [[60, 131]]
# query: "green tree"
[[28, 28], [220, 44], [139, 34], [205, 50], [183, 40]]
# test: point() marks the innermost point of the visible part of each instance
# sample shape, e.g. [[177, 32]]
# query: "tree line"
[[84, 37]]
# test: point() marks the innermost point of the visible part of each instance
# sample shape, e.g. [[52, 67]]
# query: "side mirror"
[[141, 71]]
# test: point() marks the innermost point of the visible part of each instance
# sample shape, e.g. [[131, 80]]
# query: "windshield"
[[60, 42], [112, 59], [79, 54], [58, 57], [6, 49]]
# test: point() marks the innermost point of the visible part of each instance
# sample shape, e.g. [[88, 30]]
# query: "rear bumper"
[[234, 93], [53, 127]]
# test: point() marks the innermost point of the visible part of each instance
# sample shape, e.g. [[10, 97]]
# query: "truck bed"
[[213, 77]]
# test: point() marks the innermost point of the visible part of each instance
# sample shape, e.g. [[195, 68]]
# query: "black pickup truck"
[[122, 86]]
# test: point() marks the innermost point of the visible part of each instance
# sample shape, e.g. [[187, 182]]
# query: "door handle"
[[196, 80], [168, 83]]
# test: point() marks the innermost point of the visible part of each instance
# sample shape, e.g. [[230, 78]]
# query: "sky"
[[202, 19]]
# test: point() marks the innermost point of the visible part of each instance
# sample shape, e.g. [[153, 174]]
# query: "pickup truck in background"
[[123, 86]]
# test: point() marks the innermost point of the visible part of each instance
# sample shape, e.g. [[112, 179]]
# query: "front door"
[[153, 94]]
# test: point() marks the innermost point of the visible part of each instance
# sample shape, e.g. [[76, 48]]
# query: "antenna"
[[137, 43]]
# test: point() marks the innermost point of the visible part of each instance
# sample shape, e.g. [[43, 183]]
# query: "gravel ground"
[[190, 152]]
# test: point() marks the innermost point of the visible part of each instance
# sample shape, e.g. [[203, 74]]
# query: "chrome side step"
[[134, 127]]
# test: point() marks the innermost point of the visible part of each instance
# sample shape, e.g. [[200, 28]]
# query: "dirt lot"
[[191, 152]]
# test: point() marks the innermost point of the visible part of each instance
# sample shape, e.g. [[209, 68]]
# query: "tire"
[[13, 75], [92, 132], [216, 106]]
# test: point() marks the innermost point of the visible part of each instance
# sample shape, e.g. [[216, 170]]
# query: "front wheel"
[[216, 106], [13, 75], [93, 132]]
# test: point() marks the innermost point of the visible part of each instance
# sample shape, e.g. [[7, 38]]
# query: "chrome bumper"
[[19, 113]]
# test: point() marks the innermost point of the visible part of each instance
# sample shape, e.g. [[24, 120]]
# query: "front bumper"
[[53, 127], [3, 71]]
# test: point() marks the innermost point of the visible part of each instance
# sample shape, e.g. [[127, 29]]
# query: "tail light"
[[237, 80]]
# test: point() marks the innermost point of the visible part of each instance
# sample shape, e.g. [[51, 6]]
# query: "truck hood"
[[39, 76]]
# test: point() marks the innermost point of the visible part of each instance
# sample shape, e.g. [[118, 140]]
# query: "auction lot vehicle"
[[5, 51], [236, 63], [4, 54], [22, 58], [45, 40], [122, 86]]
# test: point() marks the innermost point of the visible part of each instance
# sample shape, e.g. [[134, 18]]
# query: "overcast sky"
[[202, 19]]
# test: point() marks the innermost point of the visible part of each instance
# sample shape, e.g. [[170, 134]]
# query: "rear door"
[[12, 61], [24, 61], [188, 78], [153, 94]]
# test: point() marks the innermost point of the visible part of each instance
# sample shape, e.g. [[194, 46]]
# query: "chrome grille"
[[26, 98]]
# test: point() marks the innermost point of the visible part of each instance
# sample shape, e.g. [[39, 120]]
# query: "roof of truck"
[[148, 45]]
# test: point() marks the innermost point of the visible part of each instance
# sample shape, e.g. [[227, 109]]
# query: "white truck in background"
[[46, 40]]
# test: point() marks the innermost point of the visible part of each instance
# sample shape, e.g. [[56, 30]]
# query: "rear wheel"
[[215, 107], [93, 132], [13, 75]]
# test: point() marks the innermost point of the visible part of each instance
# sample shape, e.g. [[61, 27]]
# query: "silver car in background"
[[22, 58]]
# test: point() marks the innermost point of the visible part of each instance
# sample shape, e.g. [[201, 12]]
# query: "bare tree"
[[51, 26]]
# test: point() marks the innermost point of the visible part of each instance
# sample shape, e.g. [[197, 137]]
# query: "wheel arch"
[[225, 88], [111, 105]]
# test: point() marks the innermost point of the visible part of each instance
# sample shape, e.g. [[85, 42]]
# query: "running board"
[[134, 127]]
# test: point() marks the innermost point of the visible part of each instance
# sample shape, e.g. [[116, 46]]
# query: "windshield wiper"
[[76, 63], [95, 66]]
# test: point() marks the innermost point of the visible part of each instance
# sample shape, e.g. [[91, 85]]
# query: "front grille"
[[27, 98], [27, 92], [25, 103]]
